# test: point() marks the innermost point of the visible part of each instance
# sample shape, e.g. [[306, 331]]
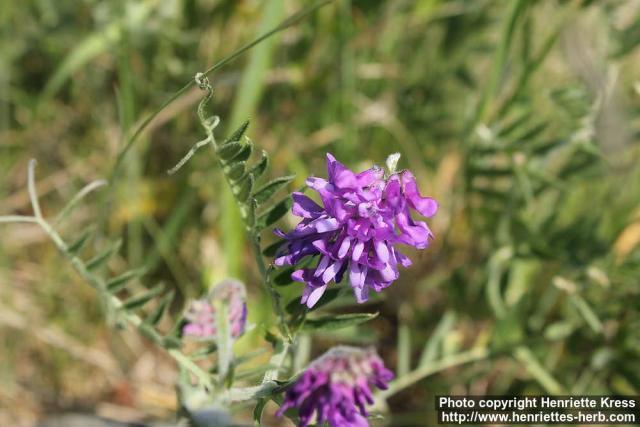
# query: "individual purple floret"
[[363, 218], [201, 314], [336, 387]]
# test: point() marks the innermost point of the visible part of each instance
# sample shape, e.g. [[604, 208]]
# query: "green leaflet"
[[171, 342], [269, 189], [140, 300], [506, 128], [229, 151], [329, 296], [283, 278], [257, 411], [243, 154], [156, 314], [204, 352], [233, 151], [272, 249], [242, 190], [78, 244], [339, 321], [237, 134], [260, 166], [235, 171], [250, 219], [526, 136], [542, 147], [100, 259], [295, 307], [118, 283], [273, 214]]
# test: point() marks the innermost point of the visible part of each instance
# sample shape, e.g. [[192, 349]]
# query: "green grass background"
[[520, 117]]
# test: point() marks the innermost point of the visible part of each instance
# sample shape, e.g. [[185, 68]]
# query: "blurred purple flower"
[[337, 387], [201, 314], [363, 217]]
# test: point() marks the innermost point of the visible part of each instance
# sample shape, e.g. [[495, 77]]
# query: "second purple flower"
[[356, 232]]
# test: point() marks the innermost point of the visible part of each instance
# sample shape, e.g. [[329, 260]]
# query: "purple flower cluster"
[[337, 387], [363, 217], [201, 314]]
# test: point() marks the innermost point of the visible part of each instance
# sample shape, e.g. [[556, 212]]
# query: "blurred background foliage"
[[520, 117]]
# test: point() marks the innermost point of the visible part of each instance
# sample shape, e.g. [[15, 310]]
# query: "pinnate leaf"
[[338, 321], [269, 189]]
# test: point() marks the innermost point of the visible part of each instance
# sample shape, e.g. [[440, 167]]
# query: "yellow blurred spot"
[[627, 241]]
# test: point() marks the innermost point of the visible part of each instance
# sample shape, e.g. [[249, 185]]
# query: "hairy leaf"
[[237, 135], [78, 244], [339, 321], [257, 411], [283, 278], [528, 135], [140, 300], [243, 189], [250, 219], [229, 151], [100, 259], [272, 249], [156, 314], [243, 154], [204, 352], [260, 166], [329, 296], [294, 307], [269, 189], [514, 124], [118, 283], [236, 171], [171, 342], [273, 214]]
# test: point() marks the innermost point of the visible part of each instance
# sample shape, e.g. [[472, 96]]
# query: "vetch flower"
[[356, 232], [336, 387], [201, 313]]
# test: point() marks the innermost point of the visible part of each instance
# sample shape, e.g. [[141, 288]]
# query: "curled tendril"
[[203, 83], [202, 80], [209, 123]]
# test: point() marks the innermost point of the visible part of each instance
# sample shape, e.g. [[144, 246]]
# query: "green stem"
[[245, 210], [143, 125], [277, 360], [111, 302], [266, 279], [526, 357], [116, 304], [17, 218], [433, 368]]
